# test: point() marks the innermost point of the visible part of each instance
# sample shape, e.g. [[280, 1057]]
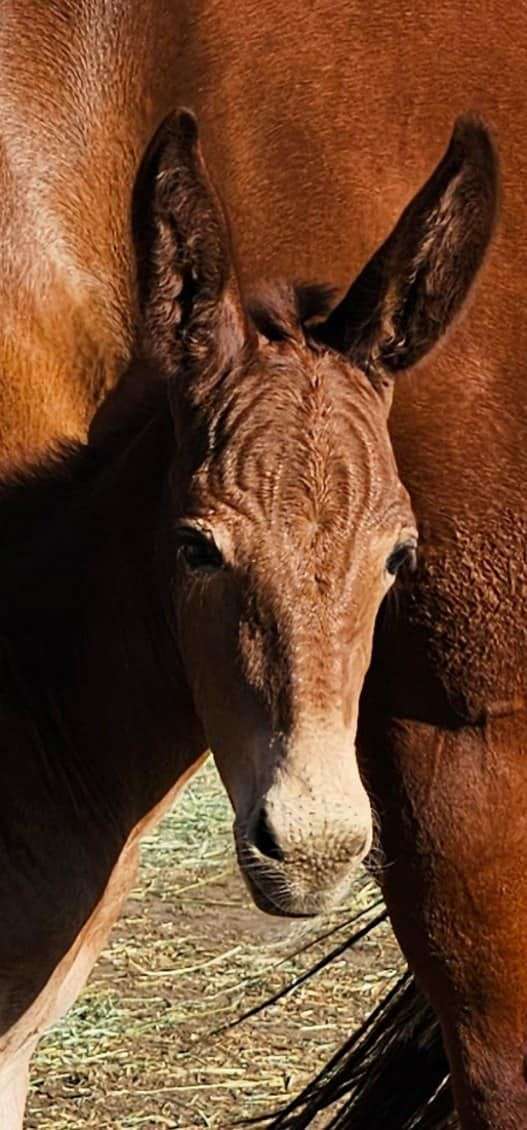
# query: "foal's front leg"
[[13, 1092]]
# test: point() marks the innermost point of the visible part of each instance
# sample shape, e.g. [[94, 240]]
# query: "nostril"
[[264, 840]]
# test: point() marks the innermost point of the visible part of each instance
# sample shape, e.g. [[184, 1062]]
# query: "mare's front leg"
[[453, 816]]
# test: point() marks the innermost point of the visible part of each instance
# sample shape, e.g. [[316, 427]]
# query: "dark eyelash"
[[403, 554]]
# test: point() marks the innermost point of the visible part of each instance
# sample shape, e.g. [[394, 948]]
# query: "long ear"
[[415, 284], [189, 298]]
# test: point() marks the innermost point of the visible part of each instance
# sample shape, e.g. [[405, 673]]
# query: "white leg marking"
[[13, 1093]]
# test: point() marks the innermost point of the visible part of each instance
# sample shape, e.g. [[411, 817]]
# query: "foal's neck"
[[96, 722], [89, 651]]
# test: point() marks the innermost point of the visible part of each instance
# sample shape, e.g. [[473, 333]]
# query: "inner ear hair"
[[186, 279]]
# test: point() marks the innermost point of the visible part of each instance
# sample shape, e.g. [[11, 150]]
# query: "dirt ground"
[[141, 1048]]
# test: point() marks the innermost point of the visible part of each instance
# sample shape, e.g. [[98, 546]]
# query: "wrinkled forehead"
[[301, 438]]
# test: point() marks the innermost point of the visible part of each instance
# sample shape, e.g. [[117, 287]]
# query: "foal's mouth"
[[276, 890]]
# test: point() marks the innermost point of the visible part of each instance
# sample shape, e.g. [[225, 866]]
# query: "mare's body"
[[319, 125]]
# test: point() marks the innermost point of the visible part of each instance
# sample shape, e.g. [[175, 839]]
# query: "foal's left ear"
[[193, 321], [415, 284]]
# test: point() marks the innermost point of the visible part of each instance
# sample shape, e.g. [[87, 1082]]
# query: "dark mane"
[[48, 520], [44, 536], [37, 492], [33, 492], [281, 311]]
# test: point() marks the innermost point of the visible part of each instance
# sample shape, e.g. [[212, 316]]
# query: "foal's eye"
[[197, 550], [403, 554]]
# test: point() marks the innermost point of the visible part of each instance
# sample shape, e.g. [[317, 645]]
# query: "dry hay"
[[190, 954]]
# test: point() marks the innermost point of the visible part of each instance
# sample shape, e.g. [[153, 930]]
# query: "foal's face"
[[287, 537], [288, 519]]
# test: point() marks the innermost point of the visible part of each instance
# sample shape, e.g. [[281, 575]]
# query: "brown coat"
[[319, 122]]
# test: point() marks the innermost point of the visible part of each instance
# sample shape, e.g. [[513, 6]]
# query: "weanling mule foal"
[[207, 572], [289, 519]]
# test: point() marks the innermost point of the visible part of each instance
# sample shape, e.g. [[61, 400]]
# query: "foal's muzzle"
[[299, 877]]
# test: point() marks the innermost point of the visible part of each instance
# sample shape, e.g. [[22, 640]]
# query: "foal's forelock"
[[298, 442]]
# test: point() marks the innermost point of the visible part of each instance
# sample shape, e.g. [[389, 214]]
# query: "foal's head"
[[287, 519]]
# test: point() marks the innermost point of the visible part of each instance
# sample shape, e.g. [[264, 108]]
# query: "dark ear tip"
[[473, 140], [187, 126], [178, 132]]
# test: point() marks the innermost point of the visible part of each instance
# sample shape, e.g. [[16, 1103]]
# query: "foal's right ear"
[[193, 321]]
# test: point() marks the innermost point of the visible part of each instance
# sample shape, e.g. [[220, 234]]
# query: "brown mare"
[[320, 122], [207, 571]]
